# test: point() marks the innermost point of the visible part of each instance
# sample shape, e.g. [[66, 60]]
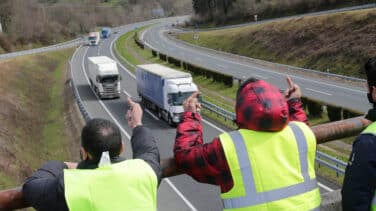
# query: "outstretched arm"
[[204, 162], [293, 96], [44, 190], [144, 145]]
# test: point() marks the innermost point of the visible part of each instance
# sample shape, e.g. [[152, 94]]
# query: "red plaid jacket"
[[206, 163]]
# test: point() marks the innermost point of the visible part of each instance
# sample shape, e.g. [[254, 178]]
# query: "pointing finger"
[[289, 82], [193, 95]]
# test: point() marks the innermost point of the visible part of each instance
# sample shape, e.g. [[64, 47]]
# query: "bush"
[[314, 108], [334, 113], [155, 54], [5, 44], [350, 114]]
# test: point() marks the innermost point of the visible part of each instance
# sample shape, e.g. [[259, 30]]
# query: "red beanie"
[[260, 106]]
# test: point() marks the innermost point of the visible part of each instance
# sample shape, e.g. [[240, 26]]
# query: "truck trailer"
[[104, 77], [163, 90]]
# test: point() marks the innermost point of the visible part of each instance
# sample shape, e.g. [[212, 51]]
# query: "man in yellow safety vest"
[[102, 180], [359, 184], [267, 164]]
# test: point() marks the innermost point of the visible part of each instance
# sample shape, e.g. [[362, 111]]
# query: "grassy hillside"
[[339, 43], [36, 108]]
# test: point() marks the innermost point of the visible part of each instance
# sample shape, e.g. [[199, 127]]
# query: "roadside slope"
[[36, 115], [339, 43]]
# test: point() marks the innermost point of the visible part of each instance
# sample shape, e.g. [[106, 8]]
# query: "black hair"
[[370, 70], [242, 85], [100, 135]]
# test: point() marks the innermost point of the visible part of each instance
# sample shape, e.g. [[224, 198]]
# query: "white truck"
[[164, 89], [104, 77], [93, 38]]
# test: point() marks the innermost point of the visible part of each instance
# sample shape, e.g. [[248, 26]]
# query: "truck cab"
[[106, 32], [177, 90], [93, 38], [163, 90], [104, 77]]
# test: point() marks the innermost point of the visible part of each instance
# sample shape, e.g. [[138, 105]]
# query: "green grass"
[[122, 50], [35, 115], [207, 84], [310, 42], [229, 93], [52, 133]]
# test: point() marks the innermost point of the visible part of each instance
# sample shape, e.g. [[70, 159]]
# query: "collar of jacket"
[[93, 164]]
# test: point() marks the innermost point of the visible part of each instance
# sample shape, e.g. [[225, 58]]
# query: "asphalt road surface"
[[176, 193]]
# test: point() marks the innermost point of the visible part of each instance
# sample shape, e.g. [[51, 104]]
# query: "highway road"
[[329, 91], [176, 193]]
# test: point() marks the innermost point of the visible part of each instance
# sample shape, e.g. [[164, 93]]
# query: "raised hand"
[[293, 90], [191, 103], [134, 114]]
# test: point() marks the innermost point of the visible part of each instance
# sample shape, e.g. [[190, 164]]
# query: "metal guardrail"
[[331, 162], [80, 104], [227, 115], [321, 158], [267, 63], [63, 45]]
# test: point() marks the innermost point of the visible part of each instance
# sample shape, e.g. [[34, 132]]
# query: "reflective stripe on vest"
[[128, 185], [252, 197], [371, 129]]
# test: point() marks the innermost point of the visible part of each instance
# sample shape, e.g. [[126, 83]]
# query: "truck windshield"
[[109, 79], [177, 99], [92, 38]]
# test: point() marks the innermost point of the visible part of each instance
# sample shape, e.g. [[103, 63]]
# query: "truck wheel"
[[159, 113]]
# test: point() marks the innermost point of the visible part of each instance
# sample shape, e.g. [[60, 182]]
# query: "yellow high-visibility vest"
[[372, 130], [271, 170], [128, 185]]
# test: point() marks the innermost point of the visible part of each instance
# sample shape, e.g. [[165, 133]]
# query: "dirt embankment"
[[338, 43], [31, 88]]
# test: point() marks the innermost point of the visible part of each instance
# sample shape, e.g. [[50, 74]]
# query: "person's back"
[[103, 180], [359, 185], [107, 187], [268, 164]]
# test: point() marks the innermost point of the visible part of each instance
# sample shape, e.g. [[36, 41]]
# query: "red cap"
[[260, 106]]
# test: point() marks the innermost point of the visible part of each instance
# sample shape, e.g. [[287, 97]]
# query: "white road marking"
[[186, 201], [219, 129], [151, 114], [125, 92], [190, 205], [324, 187], [100, 101], [119, 63], [265, 70], [318, 91]]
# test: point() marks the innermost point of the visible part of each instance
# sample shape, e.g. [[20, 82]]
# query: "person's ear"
[[122, 148], [373, 92], [84, 154]]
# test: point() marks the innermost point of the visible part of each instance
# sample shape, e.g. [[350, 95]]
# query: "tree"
[[5, 14]]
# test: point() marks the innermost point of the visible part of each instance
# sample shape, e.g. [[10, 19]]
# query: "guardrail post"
[[337, 173]]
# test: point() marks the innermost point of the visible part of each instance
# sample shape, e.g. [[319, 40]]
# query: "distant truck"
[[93, 38], [106, 32], [164, 89], [104, 77]]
